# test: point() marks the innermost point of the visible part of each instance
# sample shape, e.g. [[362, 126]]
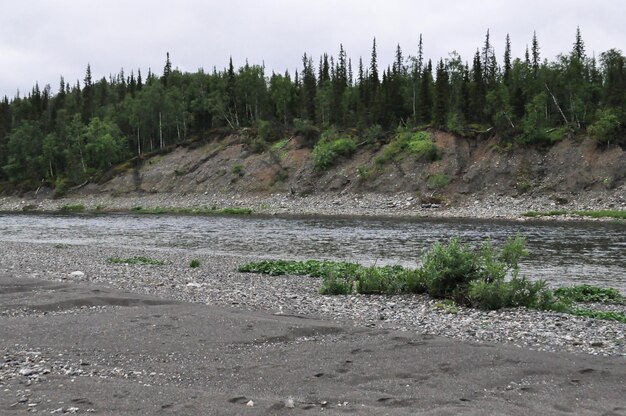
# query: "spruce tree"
[[442, 96], [507, 60], [579, 47], [535, 52]]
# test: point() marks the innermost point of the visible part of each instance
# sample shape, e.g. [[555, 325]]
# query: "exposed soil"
[[569, 170]]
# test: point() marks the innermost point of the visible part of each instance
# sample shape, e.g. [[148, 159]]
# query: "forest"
[[77, 134]]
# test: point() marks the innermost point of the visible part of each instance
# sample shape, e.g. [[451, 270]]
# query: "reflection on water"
[[562, 253]]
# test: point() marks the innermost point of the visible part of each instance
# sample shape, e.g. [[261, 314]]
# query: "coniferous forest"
[[85, 128]]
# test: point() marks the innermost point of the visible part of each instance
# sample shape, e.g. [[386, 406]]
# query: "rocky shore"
[[485, 205], [217, 282]]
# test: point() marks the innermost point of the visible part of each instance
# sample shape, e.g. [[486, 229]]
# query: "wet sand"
[[82, 348]]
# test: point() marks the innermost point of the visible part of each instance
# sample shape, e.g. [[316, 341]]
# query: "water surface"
[[562, 253]]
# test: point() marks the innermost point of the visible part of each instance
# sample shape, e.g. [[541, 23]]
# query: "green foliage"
[[419, 145], [84, 130], [501, 293], [588, 293], [327, 151], [237, 170], [306, 129], [487, 278], [373, 133], [438, 181], [193, 211], [312, 268], [194, 263], [603, 214], [72, 208], [60, 187], [552, 213], [606, 128], [605, 315], [617, 214], [137, 260]]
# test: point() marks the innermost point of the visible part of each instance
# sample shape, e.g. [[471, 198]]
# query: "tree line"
[[84, 129]]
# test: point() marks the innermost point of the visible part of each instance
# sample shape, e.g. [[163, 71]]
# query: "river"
[[560, 252]]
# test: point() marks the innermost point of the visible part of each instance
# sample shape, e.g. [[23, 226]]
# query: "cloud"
[[41, 40]]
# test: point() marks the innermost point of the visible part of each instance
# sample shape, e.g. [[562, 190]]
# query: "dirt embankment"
[[465, 170]]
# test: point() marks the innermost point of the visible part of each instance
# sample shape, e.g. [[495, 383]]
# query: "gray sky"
[[40, 40]]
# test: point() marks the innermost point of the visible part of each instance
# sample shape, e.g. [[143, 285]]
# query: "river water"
[[561, 253]]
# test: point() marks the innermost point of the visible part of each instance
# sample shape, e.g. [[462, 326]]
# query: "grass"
[[616, 214], [194, 211], [137, 260], [456, 274], [72, 208]]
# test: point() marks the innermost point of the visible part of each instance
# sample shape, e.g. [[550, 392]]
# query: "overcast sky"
[[41, 40]]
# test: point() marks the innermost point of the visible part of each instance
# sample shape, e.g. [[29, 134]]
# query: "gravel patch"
[[216, 282], [487, 205]]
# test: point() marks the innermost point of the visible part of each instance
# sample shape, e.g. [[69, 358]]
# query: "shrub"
[[418, 144], [606, 128], [60, 187], [137, 260], [377, 280], [501, 293], [237, 170], [326, 152], [72, 208], [194, 263], [438, 181], [332, 284], [305, 129], [449, 269]]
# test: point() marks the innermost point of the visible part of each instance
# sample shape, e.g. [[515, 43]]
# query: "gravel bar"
[[217, 282]]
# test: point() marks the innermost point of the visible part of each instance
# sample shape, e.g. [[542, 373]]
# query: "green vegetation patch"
[[617, 214], [486, 278], [588, 293], [194, 263], [553, 213], [327, 151], [603, 214], [137, 260], [418, 144], [194, 211], [72, 208]]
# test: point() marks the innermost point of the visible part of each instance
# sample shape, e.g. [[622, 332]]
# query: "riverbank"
[[217, 282], [81, 348], [487, 206]]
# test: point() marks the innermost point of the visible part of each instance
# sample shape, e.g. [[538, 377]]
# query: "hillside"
[[463, 169]]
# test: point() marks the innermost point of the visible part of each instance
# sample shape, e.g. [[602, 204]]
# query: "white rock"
[[194, 285], [77, 273], [250, 404], [27, 371], [289, 403]]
